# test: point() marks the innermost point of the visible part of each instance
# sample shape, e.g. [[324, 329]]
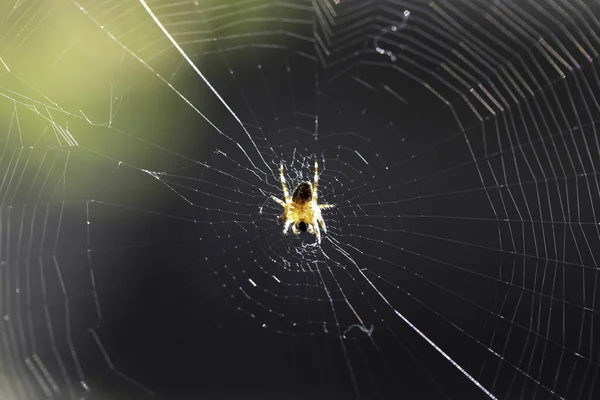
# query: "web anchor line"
[[399, 314], [191, 64]]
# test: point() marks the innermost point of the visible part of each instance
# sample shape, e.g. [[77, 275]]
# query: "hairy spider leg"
[[320, 217], [286, 192], [287, 226], [278, 201], [322, 223], [318, 232], [316, 181]]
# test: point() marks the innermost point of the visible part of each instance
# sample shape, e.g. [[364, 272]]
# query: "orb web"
[[457, 142]]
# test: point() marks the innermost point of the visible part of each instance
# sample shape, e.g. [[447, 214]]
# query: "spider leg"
[[286, 192], [322, 223], [278, 201], [295, 230], [286, 227], [316, 181], [318, 234], [320, 217]]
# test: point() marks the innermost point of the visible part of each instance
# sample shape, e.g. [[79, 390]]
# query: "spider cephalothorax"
[[301, 211]]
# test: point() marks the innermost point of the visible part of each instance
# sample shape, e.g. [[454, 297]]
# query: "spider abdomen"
[[303, 193]]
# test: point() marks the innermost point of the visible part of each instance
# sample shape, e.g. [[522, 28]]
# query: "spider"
[[301, 211]]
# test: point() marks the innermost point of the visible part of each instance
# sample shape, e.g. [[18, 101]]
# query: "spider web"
[[140, 250]]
